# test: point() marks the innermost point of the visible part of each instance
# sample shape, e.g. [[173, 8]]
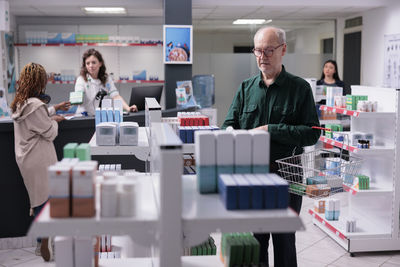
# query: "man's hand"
[[264, 128], [63, 106], [57, 118], [133, 108]]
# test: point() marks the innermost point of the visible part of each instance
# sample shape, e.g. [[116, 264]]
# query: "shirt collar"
[[279, 80]]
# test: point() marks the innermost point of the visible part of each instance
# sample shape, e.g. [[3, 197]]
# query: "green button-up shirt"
[[287, 106]]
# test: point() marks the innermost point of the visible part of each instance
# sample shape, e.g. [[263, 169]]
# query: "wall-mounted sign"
[[178, 44]]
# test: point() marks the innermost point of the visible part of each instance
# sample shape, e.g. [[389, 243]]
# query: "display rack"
[[175, 213], [88, 44], [376, 210]]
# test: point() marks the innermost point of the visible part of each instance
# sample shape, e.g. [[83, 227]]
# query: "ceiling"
[[212, 15]]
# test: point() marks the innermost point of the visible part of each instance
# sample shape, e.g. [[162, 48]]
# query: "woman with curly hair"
[[94, 80], [34, 132]]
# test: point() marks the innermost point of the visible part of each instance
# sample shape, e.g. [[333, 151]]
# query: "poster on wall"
[[392, 61], [11, 75], [178, 44], [4, 110]]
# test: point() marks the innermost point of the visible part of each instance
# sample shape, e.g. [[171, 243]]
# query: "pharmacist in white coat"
[[94, 81]]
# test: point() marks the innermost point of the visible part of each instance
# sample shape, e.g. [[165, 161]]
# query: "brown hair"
[[32, 81], [102, 71]]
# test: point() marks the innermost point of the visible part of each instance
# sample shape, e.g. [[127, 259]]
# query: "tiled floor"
[[314, 248]]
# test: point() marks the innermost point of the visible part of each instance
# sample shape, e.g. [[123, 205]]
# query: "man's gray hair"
[[280, 33]]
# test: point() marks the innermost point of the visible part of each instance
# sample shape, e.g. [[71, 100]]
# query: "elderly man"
[[282, 104]]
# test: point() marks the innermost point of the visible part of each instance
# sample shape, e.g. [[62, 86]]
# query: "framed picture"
[[178, 44]]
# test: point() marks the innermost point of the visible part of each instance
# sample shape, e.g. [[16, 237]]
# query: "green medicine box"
[[69, 150], [76, 98], [83, 152]]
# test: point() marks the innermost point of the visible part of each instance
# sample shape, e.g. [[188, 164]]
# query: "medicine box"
[[243, 190], [243, 148], [59, 183], [69, 150], [83, 152], [76, 98], [260, 151]]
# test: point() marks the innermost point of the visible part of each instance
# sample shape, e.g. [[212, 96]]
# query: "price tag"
[[124, 81], [323, 222], [61, 45], [84, 44], [337, 233], [334, 110], [345, 112]]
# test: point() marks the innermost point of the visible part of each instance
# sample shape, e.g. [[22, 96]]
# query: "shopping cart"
[[319, 173]]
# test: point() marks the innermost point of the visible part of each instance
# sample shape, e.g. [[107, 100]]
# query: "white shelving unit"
[[141, 227], [376, 210], [141, 151], [172, 213]]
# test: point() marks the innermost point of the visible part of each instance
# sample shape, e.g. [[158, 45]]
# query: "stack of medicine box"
[[331, 92], [239, 249], [186, 133], [238, 151], [363, 182], [73, 150], [332, 209], [204, 249], [110, 111], [253, 191], [352, 101], [319, 206], [334, 128], [72, 188], [192, 119], [351, 225], [76, 251]]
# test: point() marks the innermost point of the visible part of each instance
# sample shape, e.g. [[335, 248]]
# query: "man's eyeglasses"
[[267, 52]]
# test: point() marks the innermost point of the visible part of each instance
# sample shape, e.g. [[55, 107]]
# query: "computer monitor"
[[139, 93]]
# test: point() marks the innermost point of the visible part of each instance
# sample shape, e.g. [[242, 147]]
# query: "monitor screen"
[[139, 93]]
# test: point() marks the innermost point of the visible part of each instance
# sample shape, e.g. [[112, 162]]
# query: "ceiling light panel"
[[104, 10]]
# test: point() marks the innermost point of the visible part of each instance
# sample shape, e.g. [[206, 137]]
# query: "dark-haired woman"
[[330, 76], [93, 79]]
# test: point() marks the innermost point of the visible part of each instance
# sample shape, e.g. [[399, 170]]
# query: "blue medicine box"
[[243, 191], [182, 133], [282, 187], [103, 115], [228, 191], [269, 191], [256, 191]]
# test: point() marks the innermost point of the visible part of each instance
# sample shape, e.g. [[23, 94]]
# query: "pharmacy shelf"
[[359, 114], [338, 144], [371, 150], [364, 228], [141, 151], [142, 227], [187, 261], [88, 44], [118, 81], [140, 81], [373, 189], [188, 148], [199, 220]]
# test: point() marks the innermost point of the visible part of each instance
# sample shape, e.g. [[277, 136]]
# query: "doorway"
[[351, 60]]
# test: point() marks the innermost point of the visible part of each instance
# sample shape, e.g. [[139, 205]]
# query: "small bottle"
[[126, 199], [108, 199]]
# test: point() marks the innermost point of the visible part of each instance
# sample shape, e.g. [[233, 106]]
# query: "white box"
[[59, 180], [106, 103], [225, 148], [83, 181], [242, 148], [84, 251], [65, 253], [260, 147], [204, 148]]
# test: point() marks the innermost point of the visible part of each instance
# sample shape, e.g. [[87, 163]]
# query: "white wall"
[[376, 24], [220, 42]]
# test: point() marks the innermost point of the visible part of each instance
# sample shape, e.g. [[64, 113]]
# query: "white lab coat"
[[90, 89]]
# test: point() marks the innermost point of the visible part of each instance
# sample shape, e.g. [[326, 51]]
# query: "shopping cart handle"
[[321, 128]]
